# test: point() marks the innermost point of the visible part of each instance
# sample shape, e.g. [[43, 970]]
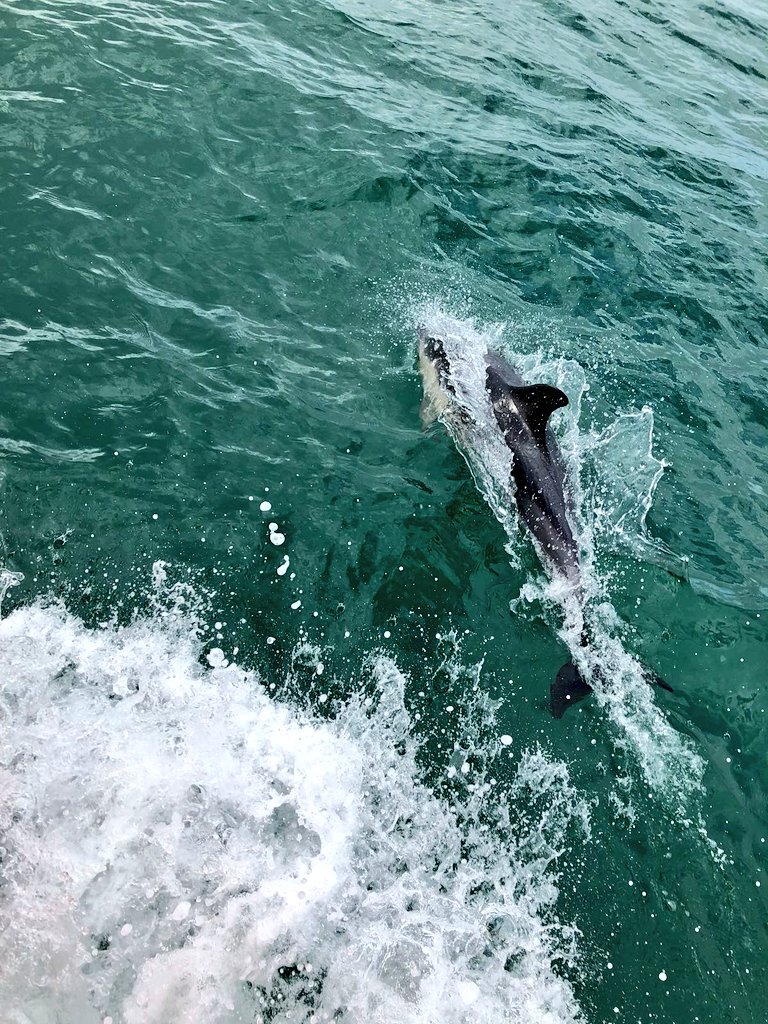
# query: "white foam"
[[178, 847], [8, 579]]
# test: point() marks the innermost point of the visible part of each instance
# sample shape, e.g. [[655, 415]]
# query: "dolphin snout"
[[433, 347]]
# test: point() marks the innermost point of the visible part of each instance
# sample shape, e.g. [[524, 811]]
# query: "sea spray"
[[177, 846], [8, 579]]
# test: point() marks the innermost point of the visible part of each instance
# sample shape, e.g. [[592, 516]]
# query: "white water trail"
[[177, 847], [621, 474]]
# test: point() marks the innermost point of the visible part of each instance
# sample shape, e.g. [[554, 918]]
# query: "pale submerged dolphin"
[[541, 490]]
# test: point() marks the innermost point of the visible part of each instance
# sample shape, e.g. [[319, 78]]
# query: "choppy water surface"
[[274, 742]]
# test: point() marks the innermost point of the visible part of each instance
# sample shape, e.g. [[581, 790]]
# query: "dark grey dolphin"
[[542, 494], [522, 412]]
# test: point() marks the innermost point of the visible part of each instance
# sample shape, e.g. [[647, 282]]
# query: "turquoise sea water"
[[305, 772]]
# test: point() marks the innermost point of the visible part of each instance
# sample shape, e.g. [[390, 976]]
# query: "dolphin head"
[[439, 390], [432, 351]]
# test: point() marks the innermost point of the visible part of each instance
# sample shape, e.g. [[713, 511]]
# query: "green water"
[[219, 224]]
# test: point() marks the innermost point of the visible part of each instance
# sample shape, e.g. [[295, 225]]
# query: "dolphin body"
[[522, 413], [542, 494]]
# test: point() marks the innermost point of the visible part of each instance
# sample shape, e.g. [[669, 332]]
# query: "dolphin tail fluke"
[[568, 688], [656, 680]]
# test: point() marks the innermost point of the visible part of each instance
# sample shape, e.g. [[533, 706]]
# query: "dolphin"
[[542, 493], [522, 413]]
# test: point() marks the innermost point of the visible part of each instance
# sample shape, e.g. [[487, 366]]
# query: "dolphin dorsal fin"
[[536, 403]]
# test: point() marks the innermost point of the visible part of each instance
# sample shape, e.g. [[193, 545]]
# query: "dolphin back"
[[522, 413]]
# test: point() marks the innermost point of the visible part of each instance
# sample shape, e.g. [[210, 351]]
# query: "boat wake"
[[179, 846]]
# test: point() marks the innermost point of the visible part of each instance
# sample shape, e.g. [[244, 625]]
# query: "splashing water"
[[625, 473], [8, 579], [177, 846], [622, 473]]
